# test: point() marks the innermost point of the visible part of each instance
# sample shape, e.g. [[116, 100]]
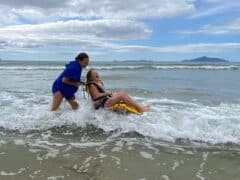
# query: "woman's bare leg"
[[73, 103], [122, 96], [57, 100]]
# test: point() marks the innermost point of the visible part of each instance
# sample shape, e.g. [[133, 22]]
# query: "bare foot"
[[144, 108]]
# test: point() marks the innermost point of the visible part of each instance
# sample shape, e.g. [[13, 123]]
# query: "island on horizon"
[[206, 59]]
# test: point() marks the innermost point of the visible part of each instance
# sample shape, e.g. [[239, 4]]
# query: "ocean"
[[192, 130]]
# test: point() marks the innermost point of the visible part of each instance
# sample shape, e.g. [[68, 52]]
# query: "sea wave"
[[130, 67], [168, 119], [31, 67], [204, 67]]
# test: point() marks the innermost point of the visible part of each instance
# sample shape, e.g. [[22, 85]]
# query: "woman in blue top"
[[66, 85]]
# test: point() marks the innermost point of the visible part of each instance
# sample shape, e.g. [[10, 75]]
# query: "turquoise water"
[[191, 132]]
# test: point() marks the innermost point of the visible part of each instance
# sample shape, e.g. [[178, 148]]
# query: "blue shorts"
[[66, 91]]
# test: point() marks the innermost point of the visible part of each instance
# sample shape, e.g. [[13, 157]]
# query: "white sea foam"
[[31, 67], [117, 67], [206, 67], [146, 155], [130, 67], [3, 173], [167, 120]]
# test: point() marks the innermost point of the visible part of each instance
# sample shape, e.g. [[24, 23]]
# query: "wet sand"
[[62, 154]]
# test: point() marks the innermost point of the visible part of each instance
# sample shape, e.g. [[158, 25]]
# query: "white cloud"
[[209, 12], [8, 17], [213, 1], [202, 48], [86, 9], [32, 3], [96, 35], [220, 1], [184, 48], [27, 25], [219, 7], [74, 32], [232, 27], [102, 47], [134, 8]]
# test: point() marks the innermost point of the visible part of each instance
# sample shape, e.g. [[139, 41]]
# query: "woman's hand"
[[77, 84], [82, 83], [109, 94], [70, 82]]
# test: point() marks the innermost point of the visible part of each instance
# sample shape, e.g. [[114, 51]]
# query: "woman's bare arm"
[[68, 81]]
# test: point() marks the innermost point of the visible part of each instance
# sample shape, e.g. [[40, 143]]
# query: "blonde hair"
[[88, 77]]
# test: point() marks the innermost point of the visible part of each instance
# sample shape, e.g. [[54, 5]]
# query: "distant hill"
[[205, 59]]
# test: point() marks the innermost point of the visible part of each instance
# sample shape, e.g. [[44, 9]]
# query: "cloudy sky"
[[119, 30]]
